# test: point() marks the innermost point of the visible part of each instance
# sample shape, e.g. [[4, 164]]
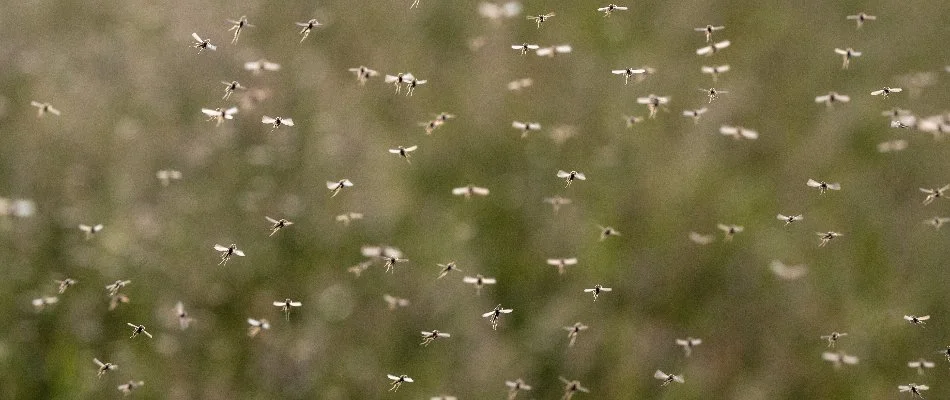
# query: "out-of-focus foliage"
[[130, 90]]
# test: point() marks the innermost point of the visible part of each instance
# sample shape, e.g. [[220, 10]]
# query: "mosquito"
[[701, 239], [446, 268], [933, 194], [610, 8], [787, 272], [915, 320], [846, 56], [838, 359], [137, 329], [404, 151], [91, 230], [715, 71], [127, 388], [431, 126], [398, 380], [276, 122], [444, 116], [276, 225], [495, 314], [256, 67], [412, 85], [900, 124], [557, 201], [237, 26], [827, 237], [256, 326], [597, 290], [539, 19], [230, 87], [119, 298], [336, 187], [708, 31], [43, 108], [695, 114], [40, 303], [892, 145], [525, 47], [202, 44], [469, 191], [631, 121], [936, 222], [823, 186], [346, 218], [833, 338], [569, 177], [165, 176], [571, 387], [227, 252], [667, 378], [286, 305], [789, 218], [398, 79], [627, 73], [519, 84], [307, 27], [428, 337], [551, 51], [885, 91], [479, 281], [104, 367], [65, 284], [860, 18], [688, 344], [515, 386], [712, 93], [395, 302], [713, 48], [114, 287], [562, 263], [913, 388], [391, 261], [183, 319], [218, 115], [831, 98], [363, 74], [607, 231], [738, 132], [526, 127], [729, 230], [573, 331], [653, 103], [920, 365]]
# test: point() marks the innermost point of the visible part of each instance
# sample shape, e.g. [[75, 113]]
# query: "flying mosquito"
[[920, 365], [227, 252], [551, 51], [128, 387], [469, 191], [839, 359], [391, 261], [237, 26], [860, 18], [398, 80], [137, 329], [569, 177], [787, 272], [557, 201], [540, 19], [40, 303], [276, 122], [713, 48], [708, 31], [846, 56], [573, 331], [525, 47], [526, 127], [65, 284], [346, 218], [790, 218], [915, 320], [597, 290], [823, 186], [202, 44], [218, 115], [607, 231], [113, 288], [832, 98], [91, 231], [395, 302], [515, 386], [562, 263], [933, 194], [404, 151], [119, 298], [276, 225], [104, 367], [653, 103], [688, 344], [701, 239], [627, 73], [183, 319], [695, 114], [715, 71], [256, 326], [43, 108], [571, 387], [729, 230], [398, 380], [336, 187], [307, 27], [833, 338], [446, 268], [495, 314], [428, 337], [892, 145], [519, 84], [935, 222], [363, 74], [738, 132], [913, 388], [610, 8], [827, 237], [667, 378], [712, 93], [286, 305], [230, 87], [885, 91], [165, 176], [256, 67], [479, 281], [431, 126]]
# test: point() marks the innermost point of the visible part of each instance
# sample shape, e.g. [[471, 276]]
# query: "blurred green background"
[[130, 90]]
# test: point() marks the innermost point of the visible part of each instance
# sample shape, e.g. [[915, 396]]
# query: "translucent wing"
[[480, 191], [580, 176], [842, 52], [704, 50], [460, 191], [488, 314], [296, 303], [279, 303], [505, 311], [219, 247], [469, 279], [99, 363], [728, 130], [562, 174], [813, 183], [393, 377], [238, 253], [267, 120], [877, 92], [195, 35], [570, 261], [923, 318], [287, 121], [660, 375], [411, 148], [271, 220], [834, 186], [679, 379], [519, 125], [489, 281], [407, 379], [209, 112]]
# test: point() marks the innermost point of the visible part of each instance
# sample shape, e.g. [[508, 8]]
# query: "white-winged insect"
[[701, 239], [412, 84], [40, 303], [892, 145], [525, 47], [398, 80], [823, 186], [562, 263], [227, 252], [469, 191], [91, 230], [276, 225], [202, 44], [729, 230], [920, 364], [519, 84], [119, 298], [359, 268], [219, 115], [404, 151], [428, 337], [446, 268], [43, 108], [788, 272], [276, 122], [569, 177], [128, 387], [573, 331], [336, 187], [715, 71], [833, 338], [738, 132], [631, 121], [393, 302], [885, 91], [860, 18], [137, 329], [286, 305], [230, 87], [65, 284], [479, 281], [913, 388], [597, 290], [515, 386], [708, 31], [363, 74], [935, 222], [551, 51], [628, 72], [610, 8], [607, 231], [712, 93], [256, 326], [839, 359], [667, 378], [557, 201], [444, 116], [390, 262], [237, 26], [114, 287], [398, 380], [899, 123], [165, 176], [431, 126], [571, 387], [935, 193], [256, 67], [713, 48], [695, 114], [183, 319], [103, 367], [653, 103], [831, 98], [688, 344], [495, 12], [307, 27], [495, 314], [789, 218], [915, 320], [846, 56], [380, 251], [346, 218], [526, 127], [541, 18], [827, 237]]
